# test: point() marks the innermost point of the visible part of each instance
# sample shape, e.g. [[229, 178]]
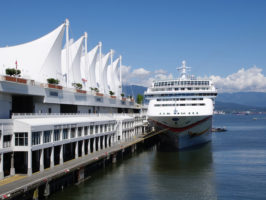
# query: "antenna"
[[183, 69]]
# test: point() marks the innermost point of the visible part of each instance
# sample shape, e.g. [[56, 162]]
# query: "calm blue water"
[[232, 166]]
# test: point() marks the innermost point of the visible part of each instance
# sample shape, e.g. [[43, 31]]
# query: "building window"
[[86, 130], [21, 139], [105, 128], [73, 132], [56, 135], [101, 128], [96, 129], [91, 130], [79, 131], [36, 138], [46, 136], [65, 133]]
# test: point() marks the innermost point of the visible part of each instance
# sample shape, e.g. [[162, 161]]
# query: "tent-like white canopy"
[[39, 59]]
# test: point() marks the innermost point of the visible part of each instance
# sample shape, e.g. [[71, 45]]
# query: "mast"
[[67, 51], [111, 58], [120, 68], [85, 57], [183, 70], [100, 61]]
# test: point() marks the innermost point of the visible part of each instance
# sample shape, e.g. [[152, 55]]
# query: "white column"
[[61, 159], [107, 141], [52, 158], [1, 166], [41, 160], [29, 162], [99, 143], [83, 148], [89, 149], [12, 169], [103, 142], [76, 150]]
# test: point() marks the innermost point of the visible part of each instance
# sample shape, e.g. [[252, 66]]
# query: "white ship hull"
[[184, 131]]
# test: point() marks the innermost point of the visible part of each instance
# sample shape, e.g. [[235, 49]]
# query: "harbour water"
[[232, 166]]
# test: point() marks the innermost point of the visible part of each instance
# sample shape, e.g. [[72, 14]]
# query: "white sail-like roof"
[[111, 77], [73, 74], [101, 73], [118, 84], [38, 59], [88, 72]]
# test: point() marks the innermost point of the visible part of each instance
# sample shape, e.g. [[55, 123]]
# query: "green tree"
[[139, 99]]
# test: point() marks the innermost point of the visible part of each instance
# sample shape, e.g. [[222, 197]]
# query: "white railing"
[[57, 115]]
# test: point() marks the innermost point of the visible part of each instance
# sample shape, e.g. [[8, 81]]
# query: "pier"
[[66, 155]]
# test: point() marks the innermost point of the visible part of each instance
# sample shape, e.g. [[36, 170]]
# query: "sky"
[[224, 40]]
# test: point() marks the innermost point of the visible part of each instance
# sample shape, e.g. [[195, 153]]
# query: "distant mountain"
[[239, 101], [234, 107], [133, 90], [257, 99]]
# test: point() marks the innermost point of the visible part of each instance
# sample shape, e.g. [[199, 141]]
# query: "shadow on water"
[[188, 174]]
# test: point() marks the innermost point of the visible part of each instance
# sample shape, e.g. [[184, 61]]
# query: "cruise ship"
[[184, 106]]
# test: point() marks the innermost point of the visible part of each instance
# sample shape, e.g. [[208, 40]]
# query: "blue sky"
[[215, 37]]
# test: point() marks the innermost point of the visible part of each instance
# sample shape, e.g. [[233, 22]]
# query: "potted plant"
[[112, 94], [131, 98], [13, 75], [78, 87], [123, 98], [97, 92], [54, 83]]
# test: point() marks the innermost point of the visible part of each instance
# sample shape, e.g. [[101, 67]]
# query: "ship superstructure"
[[184, 106]]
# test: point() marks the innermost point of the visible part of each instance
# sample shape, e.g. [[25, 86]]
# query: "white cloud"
[[140, 72], [142, 76], [160, 71], [250, 79]]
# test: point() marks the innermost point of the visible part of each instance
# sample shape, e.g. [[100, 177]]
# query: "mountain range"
[[238, 101]]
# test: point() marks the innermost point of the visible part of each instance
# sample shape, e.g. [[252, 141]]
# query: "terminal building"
[[44, 124]]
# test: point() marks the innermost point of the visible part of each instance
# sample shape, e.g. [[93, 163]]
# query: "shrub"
[[13, 72], [53, 81], [111, 93], [77, 85]]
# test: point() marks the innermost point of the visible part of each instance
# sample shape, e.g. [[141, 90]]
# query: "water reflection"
[[186, 174]]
